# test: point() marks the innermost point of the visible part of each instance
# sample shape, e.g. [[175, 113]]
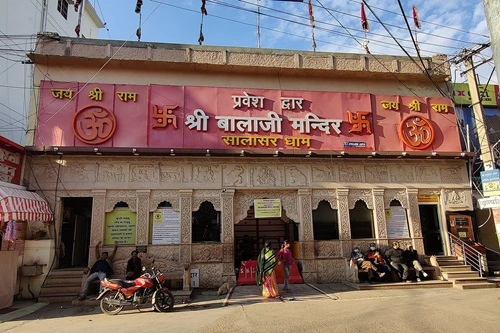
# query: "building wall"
[[24, 18], [300, 184]]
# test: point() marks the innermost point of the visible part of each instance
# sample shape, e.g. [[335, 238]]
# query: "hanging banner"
[[166, 226], [267, 208], [120, 226]]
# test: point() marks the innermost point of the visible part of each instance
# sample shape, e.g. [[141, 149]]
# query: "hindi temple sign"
[[224, 118]]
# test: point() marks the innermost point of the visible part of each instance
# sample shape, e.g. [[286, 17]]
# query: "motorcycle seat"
[[123, 283]]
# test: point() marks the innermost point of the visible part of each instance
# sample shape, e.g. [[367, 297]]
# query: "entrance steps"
[[61, 285], [462, 276]]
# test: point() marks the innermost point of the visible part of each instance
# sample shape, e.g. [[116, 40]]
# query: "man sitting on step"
[[99, 270], [395, 255], [411, 259]]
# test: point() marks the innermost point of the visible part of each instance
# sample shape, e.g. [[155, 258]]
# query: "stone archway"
[[244, 199]]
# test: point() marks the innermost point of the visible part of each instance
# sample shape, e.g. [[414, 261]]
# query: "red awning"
[[19, 204]]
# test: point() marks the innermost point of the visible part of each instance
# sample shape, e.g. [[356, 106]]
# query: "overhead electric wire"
[[316, 21], [428, 22]]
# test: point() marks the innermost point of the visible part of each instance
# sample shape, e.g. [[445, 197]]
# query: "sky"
[[447, 27]]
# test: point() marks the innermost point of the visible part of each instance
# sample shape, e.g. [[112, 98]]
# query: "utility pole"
[[467, 57], [484, 143]]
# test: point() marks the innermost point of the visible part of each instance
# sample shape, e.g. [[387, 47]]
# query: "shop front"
[[178, 165]]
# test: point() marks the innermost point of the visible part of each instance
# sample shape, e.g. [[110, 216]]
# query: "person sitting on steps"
[[395, 255], [375, 256], [411, 259], [99, 270], [358, 258]]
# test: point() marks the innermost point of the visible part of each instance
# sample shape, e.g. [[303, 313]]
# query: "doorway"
[[431, 231], [250, 235], [75, 232]]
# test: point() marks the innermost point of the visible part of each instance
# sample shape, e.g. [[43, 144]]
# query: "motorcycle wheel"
[[164, 301], [110, 309]]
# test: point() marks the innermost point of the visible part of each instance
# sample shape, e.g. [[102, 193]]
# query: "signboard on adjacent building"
[[397, 222], [490, 180], [492, 202], [267, 208], [461, 94], [166, 226], [120, 226]]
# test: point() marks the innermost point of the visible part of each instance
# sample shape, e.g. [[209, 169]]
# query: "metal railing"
[[470, 255]]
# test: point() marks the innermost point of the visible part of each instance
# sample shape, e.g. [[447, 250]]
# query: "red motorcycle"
[[116, 293]]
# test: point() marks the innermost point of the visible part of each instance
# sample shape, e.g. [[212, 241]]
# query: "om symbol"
[[94, 124], [416, 132]]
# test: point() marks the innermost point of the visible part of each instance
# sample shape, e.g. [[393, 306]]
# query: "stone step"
[[445, 257], [464, 274], [67, 272], [450, 262], [494, 280], [51, 280], [56, 298], [481, 285], [66, 288], [456, 268], [468, 280], [403, 285]]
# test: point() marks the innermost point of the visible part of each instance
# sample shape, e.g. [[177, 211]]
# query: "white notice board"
[[397, 222], [166, 226]]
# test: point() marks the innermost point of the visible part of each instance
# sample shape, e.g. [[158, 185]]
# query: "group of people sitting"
[[379, 264]]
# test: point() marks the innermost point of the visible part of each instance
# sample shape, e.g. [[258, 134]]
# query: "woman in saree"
[[266, 262]]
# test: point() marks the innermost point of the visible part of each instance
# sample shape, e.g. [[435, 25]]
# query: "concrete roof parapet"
[[234, 58]]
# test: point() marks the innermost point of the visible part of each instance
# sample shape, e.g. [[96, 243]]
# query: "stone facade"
[[231, 187]]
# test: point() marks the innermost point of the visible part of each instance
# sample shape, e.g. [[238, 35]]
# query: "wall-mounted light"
[[56, 150], [242, 153], [208, 152], [276, 153], [172, 153], [403, 154], [97, 152], [433, 154], [134, 151], [374, 153], [309, 153], [462, 154]]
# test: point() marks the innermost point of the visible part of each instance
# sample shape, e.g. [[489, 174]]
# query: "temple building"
[[201, 154]]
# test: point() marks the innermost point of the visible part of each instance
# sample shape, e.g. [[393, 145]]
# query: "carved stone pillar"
[[142, 217], [379, 225], [227, 234], [344, 221], [186, 209], [98, 217], [306, 236], [414, 220]]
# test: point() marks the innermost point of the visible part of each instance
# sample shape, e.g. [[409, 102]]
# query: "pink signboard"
[[192, 117]]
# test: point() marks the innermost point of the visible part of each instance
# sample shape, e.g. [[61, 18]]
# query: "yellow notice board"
[[267, 208], [120, 226], [428, 198]]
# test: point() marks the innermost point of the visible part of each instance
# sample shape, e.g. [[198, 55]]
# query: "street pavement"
[[308, 308]]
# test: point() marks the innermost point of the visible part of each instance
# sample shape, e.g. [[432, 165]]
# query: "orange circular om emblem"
[[416, 132], [94, 124]]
